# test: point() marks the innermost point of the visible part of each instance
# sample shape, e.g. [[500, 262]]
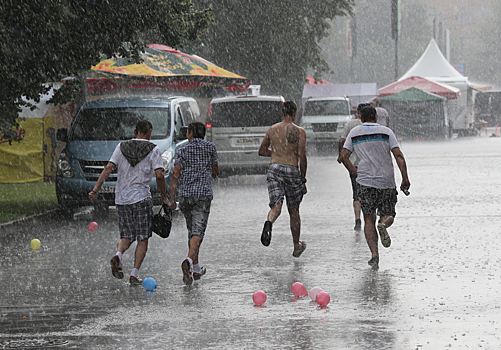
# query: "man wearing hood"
[[136, 160]]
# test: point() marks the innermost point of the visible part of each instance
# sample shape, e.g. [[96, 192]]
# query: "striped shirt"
[[196, 159], [373, 144]]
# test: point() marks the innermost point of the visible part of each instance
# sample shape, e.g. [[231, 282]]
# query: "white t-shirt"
[[347, 128], [133, 183], [373, 144], [382, 116]]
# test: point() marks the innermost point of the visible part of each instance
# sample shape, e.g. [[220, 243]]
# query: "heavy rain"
[[430, 64]]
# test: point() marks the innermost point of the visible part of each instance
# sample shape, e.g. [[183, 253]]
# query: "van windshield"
[[246, 114], [107, 124], [322, 108]]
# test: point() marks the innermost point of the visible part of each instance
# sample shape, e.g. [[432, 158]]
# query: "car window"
[[178, 121], [322, 108], [106, 124], [195, 110], [246, 113]]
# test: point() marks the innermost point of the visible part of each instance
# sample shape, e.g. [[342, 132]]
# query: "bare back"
[[287, 142]]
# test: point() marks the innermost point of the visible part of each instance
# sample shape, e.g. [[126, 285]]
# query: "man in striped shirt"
[[376, 188]]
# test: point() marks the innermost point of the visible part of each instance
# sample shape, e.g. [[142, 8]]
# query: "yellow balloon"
[[35, 244]]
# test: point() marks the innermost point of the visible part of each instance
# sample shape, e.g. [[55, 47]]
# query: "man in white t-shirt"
[[354, 160], [137, 160], [383, 118], [376, 187]]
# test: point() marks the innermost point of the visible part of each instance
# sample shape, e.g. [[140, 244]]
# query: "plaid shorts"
[[384, 200], [196, 213], [134, 220], [284, 181]]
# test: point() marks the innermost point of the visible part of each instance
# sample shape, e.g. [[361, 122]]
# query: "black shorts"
[[381, 199]]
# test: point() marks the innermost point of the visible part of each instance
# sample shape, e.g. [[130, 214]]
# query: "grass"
[[26, 199]]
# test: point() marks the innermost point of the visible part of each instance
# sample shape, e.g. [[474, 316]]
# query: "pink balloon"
[[323, 298], [313, 293], [259, 297], [298, 289], [93, 226]]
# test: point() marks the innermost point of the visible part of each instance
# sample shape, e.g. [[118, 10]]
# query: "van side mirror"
[[62, 135], [182, 134]]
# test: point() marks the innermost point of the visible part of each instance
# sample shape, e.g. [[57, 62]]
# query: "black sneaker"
[[374, 261], [187, 272], [385, 237], [266, 235], [134, 281], [358, 225], [197, 275], [116, 267]]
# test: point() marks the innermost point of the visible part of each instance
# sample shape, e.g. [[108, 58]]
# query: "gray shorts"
[[284, 181], [382, 200], [134, 220], [196, 212]]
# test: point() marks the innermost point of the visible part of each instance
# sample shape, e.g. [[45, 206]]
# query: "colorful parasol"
[[165, 67]]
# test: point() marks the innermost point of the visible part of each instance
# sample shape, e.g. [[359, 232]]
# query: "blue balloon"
[[149, 283]]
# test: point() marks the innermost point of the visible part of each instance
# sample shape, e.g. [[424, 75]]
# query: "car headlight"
[[64, 166], [340, 125], [167, 161]]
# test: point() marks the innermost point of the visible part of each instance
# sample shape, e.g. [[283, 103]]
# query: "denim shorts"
[[134, 220], [382, 200], [196, 212]]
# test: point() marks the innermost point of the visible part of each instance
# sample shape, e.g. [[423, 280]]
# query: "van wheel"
[[66, 212]]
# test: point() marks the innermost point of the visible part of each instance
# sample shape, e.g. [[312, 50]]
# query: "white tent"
[[434, 66]]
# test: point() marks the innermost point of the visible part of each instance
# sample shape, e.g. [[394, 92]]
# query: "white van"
[[237, 126], [324, 118]]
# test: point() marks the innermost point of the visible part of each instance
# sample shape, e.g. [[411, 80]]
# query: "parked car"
[[237, 126], [324, 118], [97, 129]]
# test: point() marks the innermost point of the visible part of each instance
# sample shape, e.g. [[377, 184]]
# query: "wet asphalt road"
[[438, 285]]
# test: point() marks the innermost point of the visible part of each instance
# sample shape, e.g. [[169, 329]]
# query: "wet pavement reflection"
[[438, 285]]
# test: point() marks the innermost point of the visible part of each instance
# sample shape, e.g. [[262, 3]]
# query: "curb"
[[13, 226]]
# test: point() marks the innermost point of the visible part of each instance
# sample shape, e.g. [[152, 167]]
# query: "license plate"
[[247, 141], [107, 189]]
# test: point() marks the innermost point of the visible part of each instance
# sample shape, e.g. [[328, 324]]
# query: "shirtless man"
[[285, 143]]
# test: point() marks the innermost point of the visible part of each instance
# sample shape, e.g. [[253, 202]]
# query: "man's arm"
[[215, 170], [340, 148], [402, 165], [173, 185], [303, 161], [345, 159], [264, 149], [161, 185], [102, 178]]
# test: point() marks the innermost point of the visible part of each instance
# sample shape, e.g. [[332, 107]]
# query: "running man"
[[376, 189], [194, 164], [285, 143]]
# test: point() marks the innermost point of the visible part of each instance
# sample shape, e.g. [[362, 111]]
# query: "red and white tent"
[[421, 83]]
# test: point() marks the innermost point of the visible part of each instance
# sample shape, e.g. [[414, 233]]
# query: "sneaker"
[[197, 275], [187, 272], [266, 235], [358, 225], [374, 261], [134, 281], [385, 238], [116, 267]]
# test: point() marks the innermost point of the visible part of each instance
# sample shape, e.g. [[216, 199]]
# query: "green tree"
[[374, 58], [43, 40], [271, 42]]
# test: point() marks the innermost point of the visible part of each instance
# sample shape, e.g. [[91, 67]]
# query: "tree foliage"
[[271, 42], [374, 59], [42, 41]]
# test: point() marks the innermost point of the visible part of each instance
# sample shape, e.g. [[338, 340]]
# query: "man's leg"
[[387, 220], [357, 208], [371, 234], [274, 213], [295, 225], [141, 249], [123, 245], [193, 248]]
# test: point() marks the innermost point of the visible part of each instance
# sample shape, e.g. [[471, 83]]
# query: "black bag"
[[162, 223]]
